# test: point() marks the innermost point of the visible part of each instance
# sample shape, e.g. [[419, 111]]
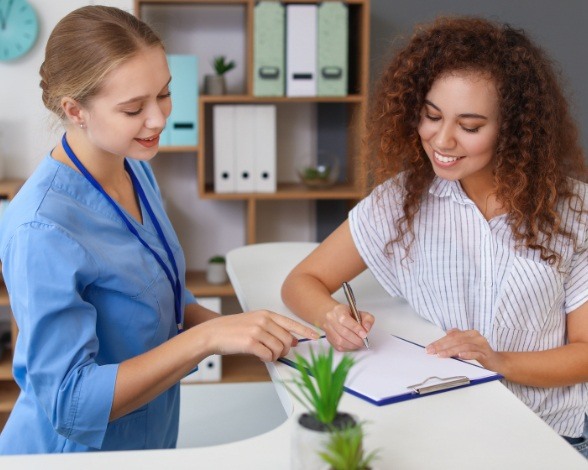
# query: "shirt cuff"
[[96, 397]]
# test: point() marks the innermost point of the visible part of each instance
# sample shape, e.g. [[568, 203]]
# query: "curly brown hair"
[[537, 147]]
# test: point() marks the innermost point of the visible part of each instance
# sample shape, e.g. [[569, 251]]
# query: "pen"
[[353, 307]]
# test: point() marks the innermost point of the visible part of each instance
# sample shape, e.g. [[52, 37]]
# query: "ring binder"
[[445, 383]]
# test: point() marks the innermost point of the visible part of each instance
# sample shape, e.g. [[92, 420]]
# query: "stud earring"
[[82, 126]]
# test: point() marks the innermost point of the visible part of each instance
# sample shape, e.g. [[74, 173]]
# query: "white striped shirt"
[[465, 272]]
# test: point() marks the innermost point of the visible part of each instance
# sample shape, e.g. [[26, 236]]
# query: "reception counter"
[[482, 427]]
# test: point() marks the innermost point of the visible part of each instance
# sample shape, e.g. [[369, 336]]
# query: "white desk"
[[481, 427]]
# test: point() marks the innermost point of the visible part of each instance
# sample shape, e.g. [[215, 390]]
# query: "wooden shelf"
[[6, 365], [238, 368], [8, 394], [9, 187], [4, 300], [179, 149], [197, 284], [220, 99], [291, 191], [138, 3], [354, 103]]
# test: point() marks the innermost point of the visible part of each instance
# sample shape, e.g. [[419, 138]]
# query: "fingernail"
[[430, 350], [362, 334]]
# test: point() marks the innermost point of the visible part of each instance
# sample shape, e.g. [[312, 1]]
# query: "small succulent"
[[221, 66], [217, 259]]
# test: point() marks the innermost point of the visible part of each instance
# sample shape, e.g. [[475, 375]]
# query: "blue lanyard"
[[174, 281]]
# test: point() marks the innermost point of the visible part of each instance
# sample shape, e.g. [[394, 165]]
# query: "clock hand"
[[4, 18]]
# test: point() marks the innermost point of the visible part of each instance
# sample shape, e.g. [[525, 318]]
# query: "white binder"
[[265, 149], [245, 148], [224, 148], [210, 368], [301, 50]]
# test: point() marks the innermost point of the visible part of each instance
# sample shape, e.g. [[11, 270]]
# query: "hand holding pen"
[[353, 307]]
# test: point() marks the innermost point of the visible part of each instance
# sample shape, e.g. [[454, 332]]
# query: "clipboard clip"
[[439, 383]]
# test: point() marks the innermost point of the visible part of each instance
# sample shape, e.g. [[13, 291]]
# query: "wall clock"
[[19, 28]]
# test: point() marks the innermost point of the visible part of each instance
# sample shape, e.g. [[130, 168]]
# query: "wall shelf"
[[165, 15]]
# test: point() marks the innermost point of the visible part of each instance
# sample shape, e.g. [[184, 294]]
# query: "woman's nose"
[[156, 118], [444, 138]]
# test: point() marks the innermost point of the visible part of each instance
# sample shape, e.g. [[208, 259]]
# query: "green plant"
[[221, 66], [321, 172], [217, 259], [344, 449], [321, 396]]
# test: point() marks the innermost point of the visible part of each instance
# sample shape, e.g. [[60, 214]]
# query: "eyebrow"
[[139, 98], [463, 115]]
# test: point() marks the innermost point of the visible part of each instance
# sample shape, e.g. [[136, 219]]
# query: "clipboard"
[[395, 369]]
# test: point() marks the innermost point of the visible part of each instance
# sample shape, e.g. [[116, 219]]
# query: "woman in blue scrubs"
[[95, 272]]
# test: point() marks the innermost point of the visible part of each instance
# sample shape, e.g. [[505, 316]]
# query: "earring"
[[82, 126]]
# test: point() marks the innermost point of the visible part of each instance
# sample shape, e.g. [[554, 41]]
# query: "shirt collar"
[[445, 188]]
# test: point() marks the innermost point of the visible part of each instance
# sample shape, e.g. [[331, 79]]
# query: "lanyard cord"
[[174, 282]]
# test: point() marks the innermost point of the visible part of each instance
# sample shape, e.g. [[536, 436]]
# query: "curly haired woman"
[[478, 217]]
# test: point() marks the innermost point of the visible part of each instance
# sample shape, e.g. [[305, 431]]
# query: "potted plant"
[[216, 273], [216, 84], [344, 449], [319, 388]]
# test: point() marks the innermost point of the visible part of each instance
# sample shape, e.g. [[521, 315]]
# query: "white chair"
[[257, 272]]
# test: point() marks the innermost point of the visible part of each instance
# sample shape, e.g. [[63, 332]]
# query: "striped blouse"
[[465, 272]]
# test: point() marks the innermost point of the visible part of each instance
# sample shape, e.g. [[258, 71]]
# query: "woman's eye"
[[133, 113], [471, 130], [165, 95], [432, 118]]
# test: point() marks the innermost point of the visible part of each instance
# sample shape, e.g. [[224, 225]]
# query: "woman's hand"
[[469, 345], [261, 333], [343, 332]]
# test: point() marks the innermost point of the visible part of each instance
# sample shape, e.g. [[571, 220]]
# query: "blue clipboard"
[[395, 369]]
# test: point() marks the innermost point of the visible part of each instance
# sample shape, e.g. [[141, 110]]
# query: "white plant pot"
[[306, 446], [216, 273]]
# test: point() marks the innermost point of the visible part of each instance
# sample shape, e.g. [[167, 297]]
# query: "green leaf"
[[344, 449], [221, 66], [321, 384]]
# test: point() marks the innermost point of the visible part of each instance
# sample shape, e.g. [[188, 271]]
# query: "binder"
[[333, 32], [395, 370], [224, 148], [301, 48], [268, 49], [265, 149], [164, 137], [210, 368], [244, 148], [182, 124]]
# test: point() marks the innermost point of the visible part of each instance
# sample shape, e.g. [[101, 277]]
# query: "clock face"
[[19, 28]]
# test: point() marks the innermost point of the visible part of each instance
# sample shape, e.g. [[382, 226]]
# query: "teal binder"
[[182, 124], [333, 32], [269, 49]]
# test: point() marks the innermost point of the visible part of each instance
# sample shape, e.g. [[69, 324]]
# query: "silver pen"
[[353, 307]]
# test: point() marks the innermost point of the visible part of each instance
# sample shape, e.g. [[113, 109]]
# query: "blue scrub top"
[[86, 296]]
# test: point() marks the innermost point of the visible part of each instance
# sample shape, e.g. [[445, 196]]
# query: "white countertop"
[[483, 426]]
